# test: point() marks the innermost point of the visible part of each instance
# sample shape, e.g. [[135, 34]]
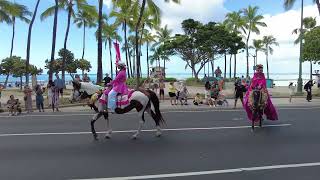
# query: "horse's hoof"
[[108, 136], [158, 134], [134, 137]]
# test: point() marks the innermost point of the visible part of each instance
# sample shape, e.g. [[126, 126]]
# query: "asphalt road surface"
[[215, 144]]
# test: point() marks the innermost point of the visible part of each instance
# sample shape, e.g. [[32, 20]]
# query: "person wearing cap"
[[107, 80], [119, 87]]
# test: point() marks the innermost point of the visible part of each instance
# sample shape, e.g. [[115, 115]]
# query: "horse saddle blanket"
[[122, 99], [258, 98]]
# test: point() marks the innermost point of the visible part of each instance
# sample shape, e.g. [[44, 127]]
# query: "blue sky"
[[204, 10]]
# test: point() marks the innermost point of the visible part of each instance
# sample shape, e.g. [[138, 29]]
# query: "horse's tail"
[[156, 104]]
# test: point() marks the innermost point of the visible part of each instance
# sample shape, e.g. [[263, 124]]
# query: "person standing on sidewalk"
[[59, 83], [239, 90], [172, 93], [161, 87], [308, 88], [28, 98], [39, 98], [291, 91]]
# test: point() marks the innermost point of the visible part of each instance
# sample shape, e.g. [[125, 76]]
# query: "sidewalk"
[[278, 102]]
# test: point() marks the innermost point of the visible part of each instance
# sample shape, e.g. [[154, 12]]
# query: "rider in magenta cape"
[[259, 80], [119, 87]]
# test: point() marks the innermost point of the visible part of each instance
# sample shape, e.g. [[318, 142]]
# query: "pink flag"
[[117, 48]]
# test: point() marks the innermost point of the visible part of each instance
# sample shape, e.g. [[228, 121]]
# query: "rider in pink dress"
[[119, 87], [259, 80]]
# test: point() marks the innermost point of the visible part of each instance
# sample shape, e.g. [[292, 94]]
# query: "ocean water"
[[280, 79]]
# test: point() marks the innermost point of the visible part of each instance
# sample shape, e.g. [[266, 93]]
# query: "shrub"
[[194, 82], [170, 79], [131, 82]]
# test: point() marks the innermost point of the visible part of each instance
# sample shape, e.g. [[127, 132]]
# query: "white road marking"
[[148, 130], [199, 173]]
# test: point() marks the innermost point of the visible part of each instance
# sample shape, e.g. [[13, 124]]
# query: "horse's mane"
[[89, 88]]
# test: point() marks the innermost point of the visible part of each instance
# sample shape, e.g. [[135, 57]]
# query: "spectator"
[[77, 78], [13, 106], [291, 91], [183, 95], [207, 88], [55, 97], [107, 80], [318, 81], [218, 72], [39, 98], [162, 86], [28, 98], [308, 88], [172, 93], [239, 89], [197, 100], [85, 78], [59, 84]]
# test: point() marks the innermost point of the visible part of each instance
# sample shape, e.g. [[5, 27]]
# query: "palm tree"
[[99, 36], [109, 33], [5, 9], [148, 38], [155, 10], [236, 23], [257, 46], [268, 41], [20, 12], [49, 12], [308, 23], [29, 41], [288, 4], [71, 6], [86, 19], [252, 23]]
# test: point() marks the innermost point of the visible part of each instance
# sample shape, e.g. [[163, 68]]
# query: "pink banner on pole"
[[117, 48]]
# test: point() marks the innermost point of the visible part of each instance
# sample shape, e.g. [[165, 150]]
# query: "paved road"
[[196, 144]]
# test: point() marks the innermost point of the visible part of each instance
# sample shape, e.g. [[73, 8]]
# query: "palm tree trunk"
[[256, 60], [225, 65], [148, 74], [230, 66], [6, 81], [29, 41], [54, 35], [111, 66], [66, 40], [212, 68], [310, 70], [82, 73], [20, 82], [164, 68], [99, 73], [235, 66], [84, 39], [267, 60], [247, 50], [13, 33], [129, 71], [137, 41]]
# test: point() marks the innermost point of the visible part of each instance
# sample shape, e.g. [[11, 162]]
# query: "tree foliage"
[[311, 49]]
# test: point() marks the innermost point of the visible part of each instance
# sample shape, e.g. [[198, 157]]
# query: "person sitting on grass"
[[197, 100], [13, 106]]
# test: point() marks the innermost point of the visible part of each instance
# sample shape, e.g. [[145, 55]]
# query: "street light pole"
[[299, 89]]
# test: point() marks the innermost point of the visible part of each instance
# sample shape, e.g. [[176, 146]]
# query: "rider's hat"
[[121, 64], [259, 66]]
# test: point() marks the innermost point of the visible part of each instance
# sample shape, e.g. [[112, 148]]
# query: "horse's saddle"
[[122, 99]]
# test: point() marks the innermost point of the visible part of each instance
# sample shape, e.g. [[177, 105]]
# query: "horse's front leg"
[[94, 119], [141, 122], [109, 130]]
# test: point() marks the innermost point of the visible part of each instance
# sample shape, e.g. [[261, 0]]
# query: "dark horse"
[[141, 100], [258, 104]]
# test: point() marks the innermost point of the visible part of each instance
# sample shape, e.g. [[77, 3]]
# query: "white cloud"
[[201, 10], [286, 56], [108, 3]]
